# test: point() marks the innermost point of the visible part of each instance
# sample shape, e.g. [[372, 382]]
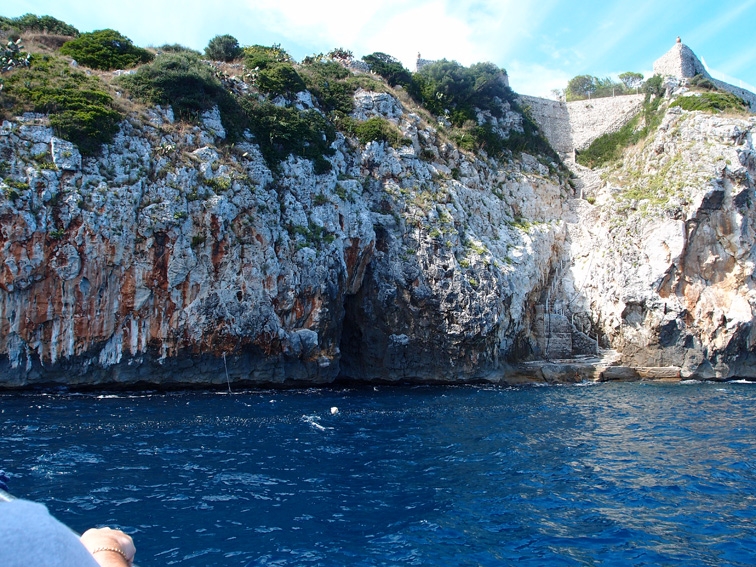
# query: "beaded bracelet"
[[114, 550]]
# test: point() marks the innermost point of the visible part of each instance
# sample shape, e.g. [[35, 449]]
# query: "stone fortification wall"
[[574, 125], [592, 118], [747, 96], [553, 119]]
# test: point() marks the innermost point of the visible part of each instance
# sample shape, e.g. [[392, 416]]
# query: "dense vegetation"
[[176, 48], [281, 131], [80, 108], [705, 97], [711, 102], [374, 129], [272, 70], [333, 86], [40, 24], [449, 89], [393, 72], [105, 50], [190, 86], [179, 79]]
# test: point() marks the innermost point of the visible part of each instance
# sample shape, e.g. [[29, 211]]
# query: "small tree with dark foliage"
[[223, 48], [105, 50]]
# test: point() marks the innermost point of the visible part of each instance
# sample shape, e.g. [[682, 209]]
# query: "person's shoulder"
[[30, 535], [25, 510]]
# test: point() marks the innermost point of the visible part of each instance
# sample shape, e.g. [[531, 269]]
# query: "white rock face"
[[65, 155], [663, 264], [369, 104], [175, 258], [169, 258]]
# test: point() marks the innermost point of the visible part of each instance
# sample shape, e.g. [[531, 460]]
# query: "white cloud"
[[467, 31]]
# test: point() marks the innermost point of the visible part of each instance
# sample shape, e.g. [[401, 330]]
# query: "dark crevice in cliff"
[[351, 338]]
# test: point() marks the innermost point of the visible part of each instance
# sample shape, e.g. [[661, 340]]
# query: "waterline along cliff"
[[331, 225]]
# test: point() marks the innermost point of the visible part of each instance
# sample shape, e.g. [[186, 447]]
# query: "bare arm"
[[110, 548]]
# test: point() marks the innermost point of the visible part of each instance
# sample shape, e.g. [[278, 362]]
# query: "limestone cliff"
[[176, 258], [662, 263]]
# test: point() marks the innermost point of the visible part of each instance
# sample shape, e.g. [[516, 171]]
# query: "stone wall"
[[554, 120], [574, 125], [592, 118]]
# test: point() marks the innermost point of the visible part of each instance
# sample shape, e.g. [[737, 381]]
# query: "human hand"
[[110, 548]]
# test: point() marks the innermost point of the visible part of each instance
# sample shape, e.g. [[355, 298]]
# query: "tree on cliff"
[[580, 87], [448, 88], [588, 86], [631, 80], [388, 67], [223, 48]]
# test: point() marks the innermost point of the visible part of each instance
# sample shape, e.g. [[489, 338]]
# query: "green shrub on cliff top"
[[261, 56], [391, 69], [80, 108], [105, 50], [712, 102], [279, 79], [180, 79], [375, 129], [42, 24], [190, 86], [449, 89], [333, 85], [272, 70], [281, 131]]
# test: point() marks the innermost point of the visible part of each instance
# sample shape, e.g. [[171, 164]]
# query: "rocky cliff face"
[[175, 258], [663, 262]]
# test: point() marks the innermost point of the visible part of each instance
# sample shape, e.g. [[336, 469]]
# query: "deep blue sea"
[[608, 474]]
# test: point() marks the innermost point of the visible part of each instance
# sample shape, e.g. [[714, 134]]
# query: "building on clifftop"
[[682, 64]]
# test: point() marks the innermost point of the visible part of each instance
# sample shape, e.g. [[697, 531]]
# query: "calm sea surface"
[[611, 474]]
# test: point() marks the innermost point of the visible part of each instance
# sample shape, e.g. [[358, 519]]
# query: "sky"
[[541, 44]]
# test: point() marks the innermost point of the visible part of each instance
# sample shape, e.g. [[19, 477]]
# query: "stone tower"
[[680, 62]]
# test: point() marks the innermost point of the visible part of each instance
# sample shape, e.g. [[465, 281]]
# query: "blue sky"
[[541, 44]]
